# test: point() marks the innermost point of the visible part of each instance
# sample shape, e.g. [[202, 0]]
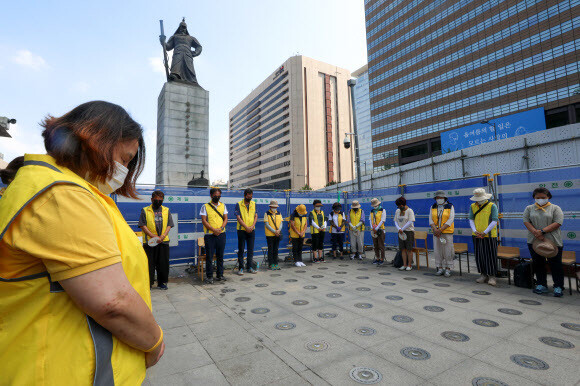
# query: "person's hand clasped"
[[217, 232], [538, 234], [400, 231], [151, 358]]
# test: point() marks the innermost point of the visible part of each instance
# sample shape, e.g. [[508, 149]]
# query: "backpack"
[[398, 260], [523, 274]]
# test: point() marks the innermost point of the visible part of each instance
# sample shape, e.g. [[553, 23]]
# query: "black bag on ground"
[[398, 260], [523, 274]]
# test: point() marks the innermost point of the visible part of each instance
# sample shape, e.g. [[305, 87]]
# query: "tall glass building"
[[437, 65], [362, 108]]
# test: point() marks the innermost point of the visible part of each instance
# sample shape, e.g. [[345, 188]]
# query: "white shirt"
[[383, 219], [440, 211], [203, 212], [334, 217], [401, 220]]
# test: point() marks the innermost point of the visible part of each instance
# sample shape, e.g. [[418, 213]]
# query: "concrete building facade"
[[362, 108], [436, 66], [289, 131]]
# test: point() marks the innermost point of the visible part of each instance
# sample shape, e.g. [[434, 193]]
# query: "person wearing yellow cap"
[[298, 222]]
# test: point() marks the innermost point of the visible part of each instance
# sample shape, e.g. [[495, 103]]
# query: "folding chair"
[[460, 249], [569, 260], [509, 255], [421, 235]]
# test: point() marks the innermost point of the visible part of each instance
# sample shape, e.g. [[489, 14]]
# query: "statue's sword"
[[162, 40]]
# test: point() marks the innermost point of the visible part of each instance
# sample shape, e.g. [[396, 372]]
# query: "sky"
[[59, 54]]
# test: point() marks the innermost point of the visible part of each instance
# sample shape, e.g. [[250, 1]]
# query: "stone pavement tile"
[[433, 293], [478, 340], [380, 297], [440, 359], [419, 320], [216, 328], [562, 371], [256, 368], [250, 317], [569, 310], [313, 379], [170, 319], [342, 315], [231, 345], [286, 301], [530, 336], [322, 295], [449, 311], [338, 372], [292, 380], [505, 328], [161, 308], [475, 302], [465, 372], [548, 304], [347, 330], [528, 315], [554, 323], [267, 327], [192, 313], [205, 375], [179, 359], [178, 336]]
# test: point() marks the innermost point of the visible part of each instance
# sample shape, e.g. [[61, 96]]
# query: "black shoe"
[[162, 287], [209, 280], [221, 278]]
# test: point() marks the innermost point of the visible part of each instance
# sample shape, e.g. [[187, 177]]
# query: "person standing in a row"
[[214, 217], [404, 219], [298, 222], [337, 221], [377, 220], [357, 230], [441, 223], [247, 218], [483, 218], [317, 231], [273, 229]]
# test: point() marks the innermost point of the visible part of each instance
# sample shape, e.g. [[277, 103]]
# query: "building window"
[[557, 117], [417, 151]]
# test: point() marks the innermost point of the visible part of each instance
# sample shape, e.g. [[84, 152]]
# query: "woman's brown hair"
[[84, 140]]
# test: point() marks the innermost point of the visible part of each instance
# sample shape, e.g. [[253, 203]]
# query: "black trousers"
[[158, 258], [297, 244], [486, 255], [214, 245], [539, 265], [273, 244], [318, 241], [245, 238]]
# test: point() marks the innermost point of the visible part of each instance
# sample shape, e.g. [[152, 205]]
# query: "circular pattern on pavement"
[[300, 302], [341, 272], [317, 276], [529, 362], [261, 285], [327, 315], [300, 271], [242, 299], [434, 308], [393, 297], [365, 375], [363, 289], [485, 322], [343, 265], [420, 291], [366, 331], [260, 310], [509, 311], [410, 278], [485, 381], [337, 282], [388, 283], [278, 293], [362, 269], [481, 292], [310, 287], [362, 277], [333, 295], [284, 326], [290, 280], [571, 326], [318, 345], [402, 319], [225, 290], [455, 336], [555, 342], [323, 268], [363, 305], [415, 353], [459, 300], [247, 279], [275, 274], [441, 285], [530, 302], [384, 273]]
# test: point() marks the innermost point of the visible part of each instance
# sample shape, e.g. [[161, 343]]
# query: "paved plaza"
[[349, 322]]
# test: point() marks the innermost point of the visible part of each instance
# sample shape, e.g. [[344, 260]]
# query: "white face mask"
[[480, 202], [317, 208], [541, 201], [440, 201], [116, 181]]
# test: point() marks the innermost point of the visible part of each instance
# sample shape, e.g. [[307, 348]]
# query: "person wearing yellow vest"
[[247, 218], [317, 231], [441, 223], [273, 229], [155, 222], [337, 220], [298, 223], [356, 223], [377, 220], [75, 298], [214, 217], [9, 172], [483, 218]]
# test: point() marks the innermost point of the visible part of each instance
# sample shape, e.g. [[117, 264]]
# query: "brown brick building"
[[441, 65]]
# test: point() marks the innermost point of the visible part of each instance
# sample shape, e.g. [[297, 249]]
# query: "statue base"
[[182, 133]]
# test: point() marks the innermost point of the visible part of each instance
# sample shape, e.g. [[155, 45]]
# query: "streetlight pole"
[[487, 122], [351, 83]]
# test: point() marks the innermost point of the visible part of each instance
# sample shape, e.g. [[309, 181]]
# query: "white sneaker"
[[439, 272], [408, 268], [492, 281], [297, 264], [302, 264], [447, 272], [402, 268], [482, 279]]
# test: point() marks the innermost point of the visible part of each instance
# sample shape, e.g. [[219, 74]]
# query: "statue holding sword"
[[182, 60]]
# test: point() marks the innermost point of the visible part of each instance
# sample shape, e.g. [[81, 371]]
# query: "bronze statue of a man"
[[182, 61]]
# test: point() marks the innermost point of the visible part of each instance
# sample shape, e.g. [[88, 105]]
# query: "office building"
[[289, 131], [435, 66], [362, 108]]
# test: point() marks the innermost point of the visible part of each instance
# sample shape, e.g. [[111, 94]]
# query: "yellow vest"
[[300, 224], [45, 339], [483, 219], [313, 230], [444, 217], [341, 222], [377, 217], [355, 218], [213, 218], [150, 215], [247, 215], [274, 220]]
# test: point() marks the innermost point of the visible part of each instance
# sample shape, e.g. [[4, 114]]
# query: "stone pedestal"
[[182, 133]]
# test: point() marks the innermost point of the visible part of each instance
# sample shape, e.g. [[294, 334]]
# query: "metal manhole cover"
[[300, 271], [247, 279], [300, 302], [362, 269], [333, 295], [481, 292], [366, 331], [225, 290], [362, 277], [410, 278], [571, 326], [341, 273], [530, 302], [310, 287], [290, 280], [388, 283], [278, 293], [242, 299], [415, 353], [393, 297], [327, 315], [343, 265], [323, 268], [455, 336], [275, 274], [485, 322], [363, 289], [337, 282], [260, 310], [420, 291], [318, 345], [484, 381], [434, 308], [261, 285], [284, 326], [384, 273], [365, 375], [459, 300], [529, 362], [555, 342], [402, 319], [509, 311], [317, 276], [363, 305], [441, 285]]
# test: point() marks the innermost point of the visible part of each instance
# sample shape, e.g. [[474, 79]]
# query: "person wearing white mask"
[[483, 218], [317, 230], [377, 220], [441, 223], [543, 221]]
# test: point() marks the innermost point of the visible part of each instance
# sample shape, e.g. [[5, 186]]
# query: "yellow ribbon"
[[538, 207]]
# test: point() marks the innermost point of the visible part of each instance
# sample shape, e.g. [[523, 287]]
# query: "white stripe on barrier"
[[529, 187], [523, 234], [170, 199]]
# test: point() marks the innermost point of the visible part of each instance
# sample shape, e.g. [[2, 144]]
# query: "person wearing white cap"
[[483, 218], [273, 229], [441, 222], [356, 224]]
